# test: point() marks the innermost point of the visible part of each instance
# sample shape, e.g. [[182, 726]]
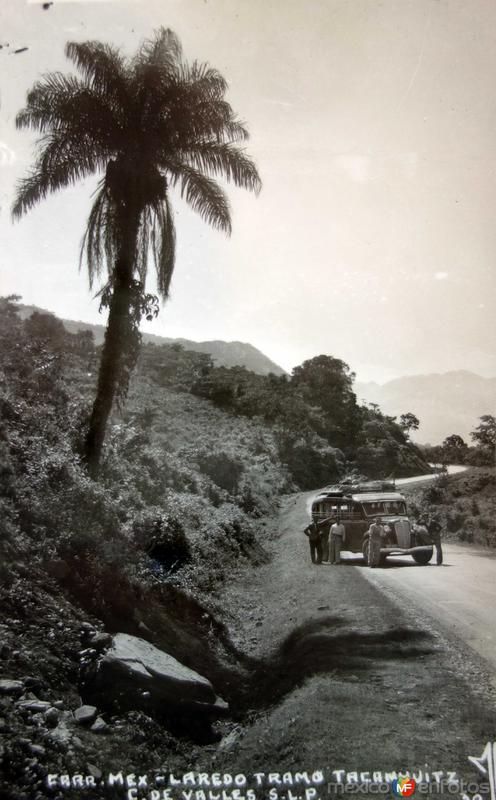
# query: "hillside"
[[445, 403], [464, 505], [193, 471], [224, 354]]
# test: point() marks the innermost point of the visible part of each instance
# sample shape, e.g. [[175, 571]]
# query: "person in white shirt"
[[376, 534], [337, 539]]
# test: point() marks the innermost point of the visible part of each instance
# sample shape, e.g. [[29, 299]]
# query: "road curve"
[[418, 480], [460, 596]]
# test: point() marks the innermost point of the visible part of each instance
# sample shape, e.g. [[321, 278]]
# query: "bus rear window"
[[334, 508]]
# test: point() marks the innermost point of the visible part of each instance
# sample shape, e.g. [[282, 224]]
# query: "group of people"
[[326, 541]]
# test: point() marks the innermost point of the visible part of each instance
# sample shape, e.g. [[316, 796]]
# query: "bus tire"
[[423, 557]]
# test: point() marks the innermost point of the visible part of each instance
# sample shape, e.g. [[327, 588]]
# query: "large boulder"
[[85, 714], [135, 674]]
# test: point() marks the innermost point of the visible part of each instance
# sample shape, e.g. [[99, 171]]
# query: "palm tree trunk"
[[115, 344]]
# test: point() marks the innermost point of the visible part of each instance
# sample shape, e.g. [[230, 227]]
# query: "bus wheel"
[[423, 557]]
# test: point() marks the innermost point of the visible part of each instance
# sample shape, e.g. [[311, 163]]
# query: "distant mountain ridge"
[[445, 403], [224, 354]]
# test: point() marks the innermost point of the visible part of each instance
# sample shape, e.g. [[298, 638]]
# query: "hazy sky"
[[373, 124]]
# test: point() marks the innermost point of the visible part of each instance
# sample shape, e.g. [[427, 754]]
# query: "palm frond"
[[204, 80], [65, 104], [202, 194], [142, 244], [99, 243], [49, 101], [103, 66], [29, 191], [156, 66], [183, 120], [163, 240], [63, 161], [224, 160], [68, 158], [164, 47]]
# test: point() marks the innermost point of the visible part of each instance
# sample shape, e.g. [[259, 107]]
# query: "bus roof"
[[377, 497], [360, 497]]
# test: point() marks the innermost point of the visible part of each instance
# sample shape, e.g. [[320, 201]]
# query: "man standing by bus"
[[376, 534], [317, 538], [434, 529], [338, 537], [315, 542]]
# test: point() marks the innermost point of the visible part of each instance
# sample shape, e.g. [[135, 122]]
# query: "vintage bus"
[[358, 505]]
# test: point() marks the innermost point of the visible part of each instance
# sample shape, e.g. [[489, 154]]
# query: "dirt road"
[[460, 596], [418, 480], [355, 676]]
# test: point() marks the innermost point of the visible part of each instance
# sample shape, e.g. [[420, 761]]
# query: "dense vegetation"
[[180, 480], [464, 504], [320, 428], [196, 457]]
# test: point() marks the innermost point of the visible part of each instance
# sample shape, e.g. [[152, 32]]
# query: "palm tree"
[[146, 124]]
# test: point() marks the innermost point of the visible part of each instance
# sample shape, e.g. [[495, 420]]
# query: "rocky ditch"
[[133, 674], [73, 696], [128, 682]]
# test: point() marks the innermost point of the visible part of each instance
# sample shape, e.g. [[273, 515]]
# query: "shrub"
[[222, 468], [162, 537]]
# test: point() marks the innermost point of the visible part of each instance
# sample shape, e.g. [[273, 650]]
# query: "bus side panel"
[[354, 535]]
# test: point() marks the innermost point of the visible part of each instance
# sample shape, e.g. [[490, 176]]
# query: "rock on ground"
[[8, 686], [85, 714], [142, 673]]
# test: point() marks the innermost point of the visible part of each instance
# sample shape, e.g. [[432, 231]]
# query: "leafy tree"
[[384, 447], [326, 377], [147, 124], [409, 422], [484, 437], [454, 450], [328, 382], [485, 433], [47, 329]]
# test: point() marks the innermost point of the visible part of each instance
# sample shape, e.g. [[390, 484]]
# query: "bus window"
[[395, 507], [385, 507], [373, 509]]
